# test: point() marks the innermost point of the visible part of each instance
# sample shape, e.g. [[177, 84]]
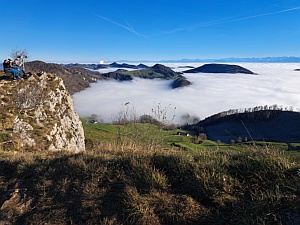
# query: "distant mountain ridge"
[[280, 59], [104, 66]]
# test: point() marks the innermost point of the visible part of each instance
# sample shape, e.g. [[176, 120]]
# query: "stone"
[[44, 116]]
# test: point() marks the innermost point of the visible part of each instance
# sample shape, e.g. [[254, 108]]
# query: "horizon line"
[[293, 59]]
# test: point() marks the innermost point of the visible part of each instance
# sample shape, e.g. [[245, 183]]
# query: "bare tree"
[[17, 52], [20, 53]]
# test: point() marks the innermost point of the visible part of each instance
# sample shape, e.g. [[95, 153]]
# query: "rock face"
[[38, 113], [219, 68]]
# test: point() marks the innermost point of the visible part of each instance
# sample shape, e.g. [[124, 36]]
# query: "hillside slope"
[[156, 71], [76, 79], [219, 68], [161, 187], [281, 126]]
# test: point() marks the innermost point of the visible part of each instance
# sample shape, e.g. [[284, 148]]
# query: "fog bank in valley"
[[276, 83]]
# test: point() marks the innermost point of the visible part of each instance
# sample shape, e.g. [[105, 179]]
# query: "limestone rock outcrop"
[[38, 113]]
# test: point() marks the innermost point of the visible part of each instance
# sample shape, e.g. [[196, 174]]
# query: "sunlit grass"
[[162, 187], [122, 179]]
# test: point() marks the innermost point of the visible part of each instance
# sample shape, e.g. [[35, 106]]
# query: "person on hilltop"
[[16, 65], [9, 68]]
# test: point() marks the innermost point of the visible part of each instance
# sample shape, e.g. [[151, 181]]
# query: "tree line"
[[257, 113]]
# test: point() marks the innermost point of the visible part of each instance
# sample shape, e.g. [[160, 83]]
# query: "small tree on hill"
[[20, 53], [17, 52]]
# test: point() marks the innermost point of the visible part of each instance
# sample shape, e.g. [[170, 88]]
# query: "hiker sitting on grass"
[[8, 68]]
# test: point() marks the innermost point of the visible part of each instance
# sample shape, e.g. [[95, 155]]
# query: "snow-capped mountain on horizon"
[[283, 59]]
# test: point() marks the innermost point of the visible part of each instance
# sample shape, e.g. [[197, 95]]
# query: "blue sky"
[[93, 30]]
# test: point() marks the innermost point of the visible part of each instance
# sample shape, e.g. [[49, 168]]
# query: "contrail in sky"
[[259, 15], [223, 21], [128, 27]]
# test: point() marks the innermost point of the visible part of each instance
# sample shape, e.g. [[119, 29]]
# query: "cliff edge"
[[38, 114]]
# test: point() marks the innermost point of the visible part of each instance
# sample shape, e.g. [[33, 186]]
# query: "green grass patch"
[[98, 132]]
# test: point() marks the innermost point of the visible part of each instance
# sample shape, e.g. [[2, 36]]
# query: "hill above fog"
[[76, 79], [262, 125], [156, 71], [219, 68], [180, 82], [104, 66]]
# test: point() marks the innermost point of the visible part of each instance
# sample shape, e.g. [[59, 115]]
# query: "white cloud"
[[208, 94]]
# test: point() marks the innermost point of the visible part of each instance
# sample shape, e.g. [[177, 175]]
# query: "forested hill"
[[156, 71], [259, 113], [259, 123], [219, 68]]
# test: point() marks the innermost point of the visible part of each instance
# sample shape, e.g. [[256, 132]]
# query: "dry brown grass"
[[108, 186]]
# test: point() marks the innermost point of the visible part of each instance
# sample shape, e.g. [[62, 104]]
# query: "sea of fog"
[[276, 83]]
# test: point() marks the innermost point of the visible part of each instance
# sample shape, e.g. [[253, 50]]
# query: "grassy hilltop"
[[143, 173]]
